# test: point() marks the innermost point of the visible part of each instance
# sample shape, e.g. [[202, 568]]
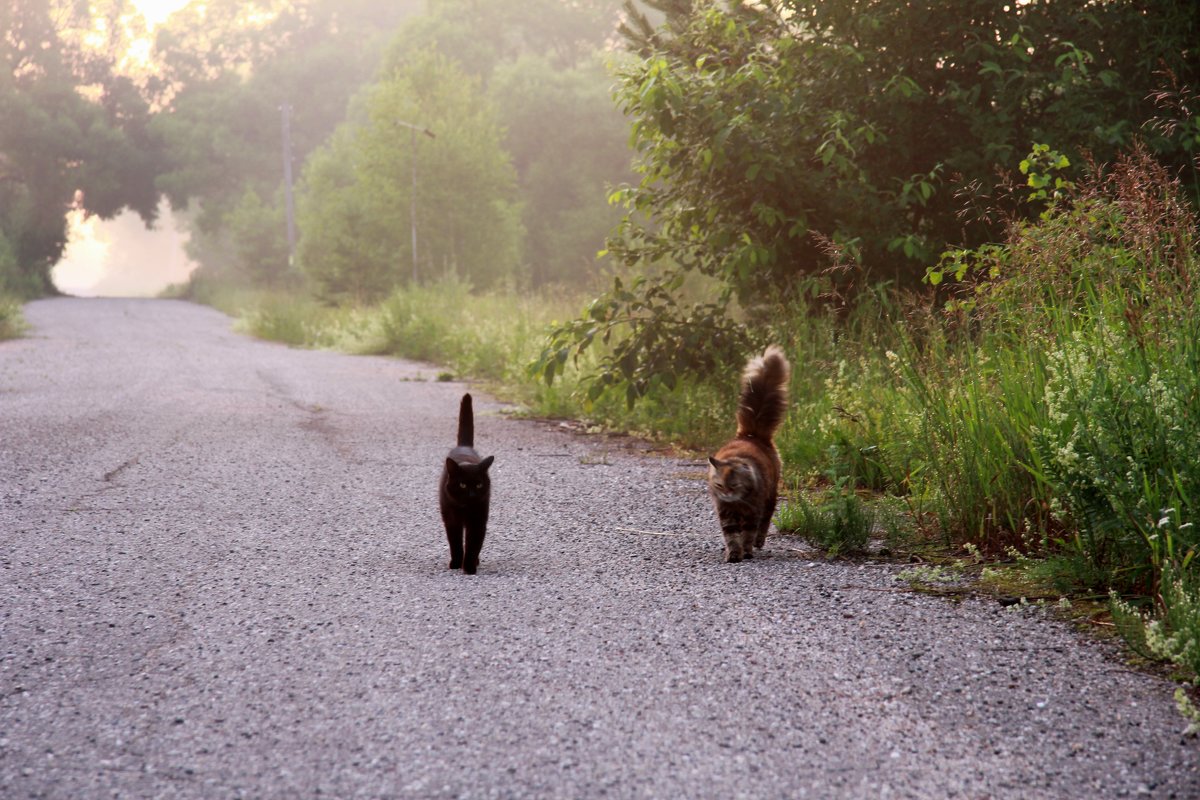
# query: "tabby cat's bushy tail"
[[764, 397], [466, 423]]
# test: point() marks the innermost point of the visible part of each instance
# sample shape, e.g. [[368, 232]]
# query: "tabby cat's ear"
[[716, 464], [487, 462]]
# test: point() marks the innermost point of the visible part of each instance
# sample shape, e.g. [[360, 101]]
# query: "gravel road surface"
[[222, 575]]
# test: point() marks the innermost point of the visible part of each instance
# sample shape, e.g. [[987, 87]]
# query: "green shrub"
[[288, 319]]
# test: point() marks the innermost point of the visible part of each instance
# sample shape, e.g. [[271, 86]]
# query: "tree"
[[773, 134], [567, 141], [541, 63], [75, 134], [335, 251], [258, 231], [356, 197], [227, 68], [760, 125], [481, 35]]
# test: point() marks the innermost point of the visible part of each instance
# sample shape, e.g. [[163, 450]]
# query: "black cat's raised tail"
[[466, 423]]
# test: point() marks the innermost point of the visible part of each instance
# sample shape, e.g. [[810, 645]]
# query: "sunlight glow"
[[83, 262], [120, 258], [157, 11]]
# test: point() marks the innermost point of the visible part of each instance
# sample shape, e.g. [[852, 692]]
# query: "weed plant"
[[840, 523], [1173, 636], [1052, 408]]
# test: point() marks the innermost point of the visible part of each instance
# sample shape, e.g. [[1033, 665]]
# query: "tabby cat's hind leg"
[[764, 524], [739, 533]]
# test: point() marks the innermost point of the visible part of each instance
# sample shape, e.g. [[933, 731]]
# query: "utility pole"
[[412, 206], [286, 110]]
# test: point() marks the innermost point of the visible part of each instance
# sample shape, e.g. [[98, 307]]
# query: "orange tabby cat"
[[743, 476]]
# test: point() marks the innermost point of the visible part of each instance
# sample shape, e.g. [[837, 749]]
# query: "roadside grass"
[[486, 336], [840, 523], [12, 321]]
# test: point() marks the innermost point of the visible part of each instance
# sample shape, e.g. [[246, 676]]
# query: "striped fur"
[[743, 476]]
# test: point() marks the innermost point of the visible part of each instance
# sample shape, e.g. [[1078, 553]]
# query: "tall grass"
[[1055, 410], [488, 336]]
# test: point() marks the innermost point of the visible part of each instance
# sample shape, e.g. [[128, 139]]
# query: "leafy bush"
[[14, 281], [648, 339], [1122, 390]]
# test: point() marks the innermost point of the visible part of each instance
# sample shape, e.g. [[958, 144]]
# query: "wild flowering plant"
[[1122, 424], [1174, 636]]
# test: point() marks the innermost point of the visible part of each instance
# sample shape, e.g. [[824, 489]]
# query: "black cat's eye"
[[462, 486], [479, 486]]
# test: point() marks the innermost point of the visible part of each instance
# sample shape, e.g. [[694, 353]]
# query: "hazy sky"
[[120, 258]]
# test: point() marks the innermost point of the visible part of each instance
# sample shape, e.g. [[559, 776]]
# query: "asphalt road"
[[222, 575]]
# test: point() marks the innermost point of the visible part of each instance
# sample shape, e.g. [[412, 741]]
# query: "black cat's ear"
[[716, 464], [487, 462], [451, 466]]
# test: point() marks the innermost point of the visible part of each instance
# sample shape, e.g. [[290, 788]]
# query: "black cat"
[[464, 493]]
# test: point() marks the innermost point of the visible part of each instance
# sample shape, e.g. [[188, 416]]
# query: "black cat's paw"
[[469, 569], [455, 563]]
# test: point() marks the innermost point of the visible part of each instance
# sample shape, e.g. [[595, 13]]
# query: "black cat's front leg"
[[476, 530], [454, 535]]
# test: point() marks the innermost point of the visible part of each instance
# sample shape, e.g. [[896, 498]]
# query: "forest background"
[[972, 225]]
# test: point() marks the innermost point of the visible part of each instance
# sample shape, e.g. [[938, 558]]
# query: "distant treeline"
[[512, 187]]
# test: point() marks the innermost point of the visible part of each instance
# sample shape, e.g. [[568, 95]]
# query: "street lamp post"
[[412, 206], [286, 110]]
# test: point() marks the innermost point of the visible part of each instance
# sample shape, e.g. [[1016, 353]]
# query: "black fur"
[[464, 494]]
